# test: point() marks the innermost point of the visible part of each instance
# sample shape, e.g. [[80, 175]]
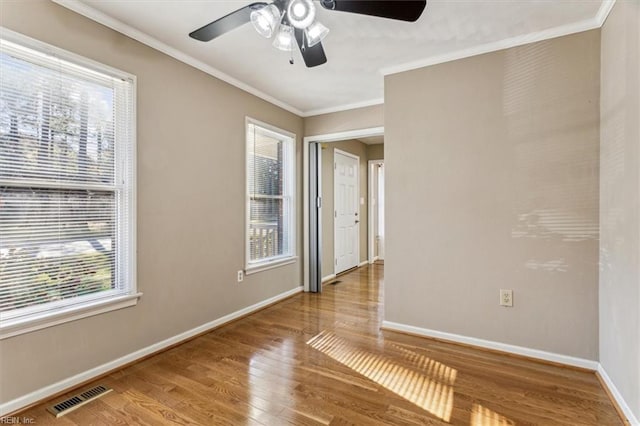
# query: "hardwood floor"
[[321, 359]]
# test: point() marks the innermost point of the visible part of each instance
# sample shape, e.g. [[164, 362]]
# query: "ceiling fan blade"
[[226, 23], [403, 10], [314, 55]]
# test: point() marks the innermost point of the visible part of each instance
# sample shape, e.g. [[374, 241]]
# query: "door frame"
[[306, 179], [357, 158], [370, 225]]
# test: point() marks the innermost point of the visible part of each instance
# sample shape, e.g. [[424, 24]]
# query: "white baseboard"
[[519, 350], [618, 397], [332, 276], [528, 352], [43, 393]]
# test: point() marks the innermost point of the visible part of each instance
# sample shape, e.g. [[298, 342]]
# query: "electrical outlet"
[[240, 276], [506, 297]]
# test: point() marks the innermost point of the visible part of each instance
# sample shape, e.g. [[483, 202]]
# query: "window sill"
[[15, 327], [270, 265]]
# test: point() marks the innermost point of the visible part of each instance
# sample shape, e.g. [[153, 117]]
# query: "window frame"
[[289, 139], [125, 164]]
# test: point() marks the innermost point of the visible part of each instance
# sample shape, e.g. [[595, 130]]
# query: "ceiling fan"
[[289, 20]]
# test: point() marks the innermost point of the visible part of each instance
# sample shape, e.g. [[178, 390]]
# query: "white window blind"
[[66, 182], [270, 194]]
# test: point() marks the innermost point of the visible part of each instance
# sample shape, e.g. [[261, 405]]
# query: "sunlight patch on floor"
[[429, 386], [434, 369], [482, 416]]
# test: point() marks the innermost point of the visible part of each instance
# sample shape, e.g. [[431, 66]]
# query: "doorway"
[[376, 232], [316, 205], [346, 220]]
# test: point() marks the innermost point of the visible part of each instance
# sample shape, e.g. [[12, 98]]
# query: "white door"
[[346, 215], [381, 212]]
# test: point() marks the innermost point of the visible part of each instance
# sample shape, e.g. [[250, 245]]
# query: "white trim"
[[503, 347], [30, 183], [287, 137], [328, 277], [335, 219], [124, 190], [603, 12], [346, 107], [528, 352], [305, 214], [626, 410], [265, 266], [363, 263], [119, 26], [102, 18], [133, 191], [330, 137], [563, 30], [370, 224], [348, 154], [49, 319], [64, 54], [65, 384], [343, 136], [276, 131]]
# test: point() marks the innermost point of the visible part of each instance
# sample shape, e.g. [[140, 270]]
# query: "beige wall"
[[620, 201], [497, 169], [353, 119], [191, 156], [492, 182], [353, 147], [376, 151]]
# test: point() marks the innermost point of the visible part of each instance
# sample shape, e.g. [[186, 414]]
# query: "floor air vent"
[[77, 401]]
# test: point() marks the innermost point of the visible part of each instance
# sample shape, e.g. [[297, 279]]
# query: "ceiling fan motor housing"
[[328, 4], [294, 21]]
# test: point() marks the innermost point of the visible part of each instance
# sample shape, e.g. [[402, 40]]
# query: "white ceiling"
[[360, 49]]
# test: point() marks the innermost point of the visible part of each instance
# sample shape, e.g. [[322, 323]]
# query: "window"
[[67, 206], [270, 196]]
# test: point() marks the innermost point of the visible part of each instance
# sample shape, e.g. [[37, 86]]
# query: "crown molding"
[[106, 20], [603, 12], [119, 26], [563, 30]]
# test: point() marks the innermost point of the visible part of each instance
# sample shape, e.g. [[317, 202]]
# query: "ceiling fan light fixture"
[[315, 33], [284, 38], [265, 20], [301, 13], [292, 22]]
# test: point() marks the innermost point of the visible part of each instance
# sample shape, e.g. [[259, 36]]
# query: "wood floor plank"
[[321, 359]]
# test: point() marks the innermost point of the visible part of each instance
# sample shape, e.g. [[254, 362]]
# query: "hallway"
[[321, 359]]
